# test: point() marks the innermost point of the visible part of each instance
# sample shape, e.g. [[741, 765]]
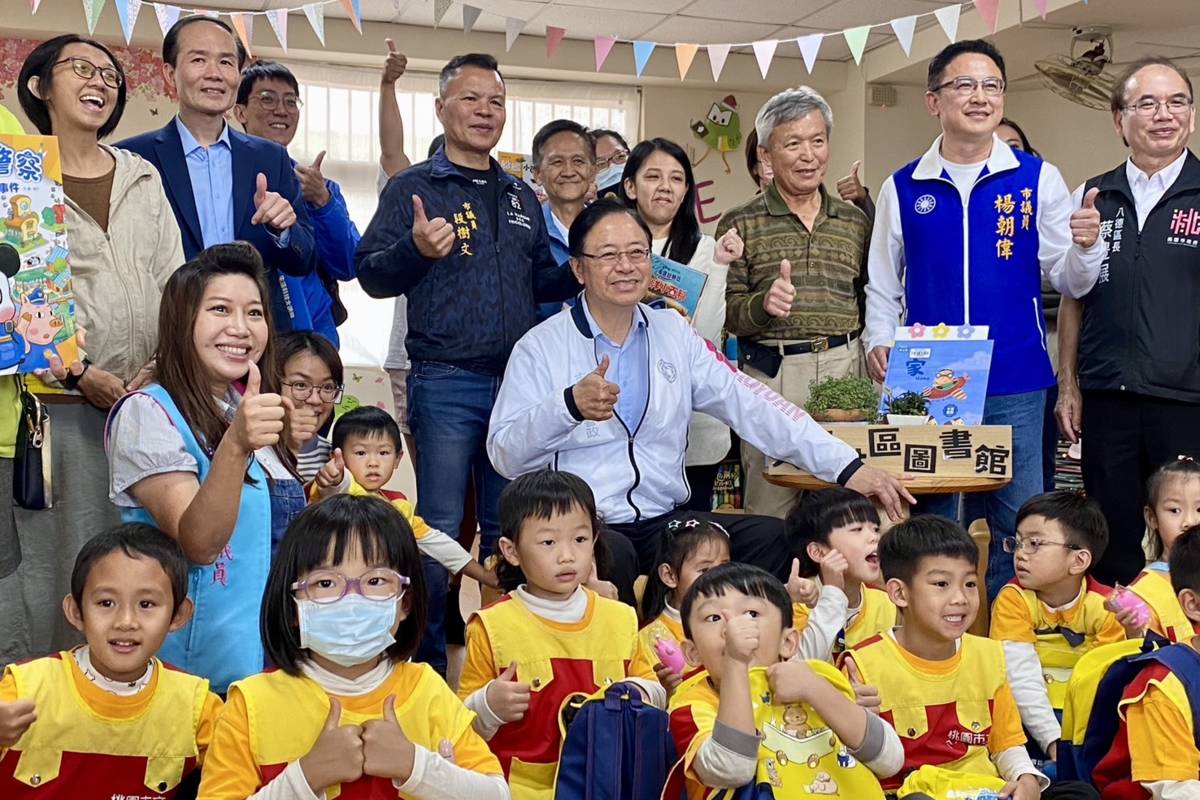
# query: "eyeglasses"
[[965, 85], [270, 101], [1148, 107], [326, 586], [636, 256], [619, 157], [1014, 545], [86, 69], [330, 392]]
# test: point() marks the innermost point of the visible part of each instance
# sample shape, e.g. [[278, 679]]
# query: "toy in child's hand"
[[1123, 599], [670, 655]]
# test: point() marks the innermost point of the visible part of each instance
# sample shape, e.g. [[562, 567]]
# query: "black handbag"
[[31, 464]]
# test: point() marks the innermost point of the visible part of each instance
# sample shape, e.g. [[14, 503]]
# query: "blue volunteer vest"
[[221, 642], [1000, 284]]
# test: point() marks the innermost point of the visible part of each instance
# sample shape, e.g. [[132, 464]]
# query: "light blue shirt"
[[211, 171], [628, 367]]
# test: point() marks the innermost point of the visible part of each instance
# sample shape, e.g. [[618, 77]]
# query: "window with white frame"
[[341, 117]]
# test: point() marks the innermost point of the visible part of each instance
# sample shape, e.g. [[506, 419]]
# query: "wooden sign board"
[[949, 451]]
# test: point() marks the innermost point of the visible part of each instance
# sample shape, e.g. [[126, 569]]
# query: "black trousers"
[[701, 479], [753, 540], [1126, 438]]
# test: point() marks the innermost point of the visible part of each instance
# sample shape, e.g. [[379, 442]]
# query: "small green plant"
[[843, 394], [909, 404]]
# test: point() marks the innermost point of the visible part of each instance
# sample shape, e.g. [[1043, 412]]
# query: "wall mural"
[[143, 68], [721, 130]]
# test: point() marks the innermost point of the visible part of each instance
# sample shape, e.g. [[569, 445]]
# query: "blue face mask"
[[609, 177], [349, 632]]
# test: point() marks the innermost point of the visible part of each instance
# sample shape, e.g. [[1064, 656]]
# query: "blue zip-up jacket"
[[472, 306], [561, 253]]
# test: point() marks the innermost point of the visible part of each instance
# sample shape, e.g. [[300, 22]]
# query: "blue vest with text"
[[979, 265]]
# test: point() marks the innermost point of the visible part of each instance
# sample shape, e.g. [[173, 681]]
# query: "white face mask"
[[610, 176], [349, 632]]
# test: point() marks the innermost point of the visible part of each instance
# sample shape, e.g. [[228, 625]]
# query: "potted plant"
[[842, 400], [909, 408]]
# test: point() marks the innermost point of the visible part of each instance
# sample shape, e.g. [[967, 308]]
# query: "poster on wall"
[[520, 166], [37, 304], [947, 366]]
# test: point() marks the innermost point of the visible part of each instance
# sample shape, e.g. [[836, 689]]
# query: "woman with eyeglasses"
[[612, 151], [313, 379], [124, 244]]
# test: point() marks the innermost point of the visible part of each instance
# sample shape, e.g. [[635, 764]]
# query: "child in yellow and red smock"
[[1052, 612], [688, 547], [549, 637], [345, 713], [757, 722], [109, 719]]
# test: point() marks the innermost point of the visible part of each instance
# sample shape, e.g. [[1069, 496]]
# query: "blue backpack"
[[616, 747]]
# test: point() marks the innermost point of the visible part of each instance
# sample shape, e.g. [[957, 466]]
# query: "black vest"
[[1141, 321]]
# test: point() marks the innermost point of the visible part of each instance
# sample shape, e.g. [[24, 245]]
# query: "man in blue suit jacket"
[[224, 185]]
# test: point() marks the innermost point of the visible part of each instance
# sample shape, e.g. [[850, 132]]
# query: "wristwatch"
[[71, 382]]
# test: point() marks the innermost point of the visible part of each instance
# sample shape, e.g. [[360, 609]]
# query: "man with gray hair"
[[795, 297]]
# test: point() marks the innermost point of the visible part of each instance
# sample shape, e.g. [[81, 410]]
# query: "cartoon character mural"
[[38, 326], [721, 130], [12, 346]]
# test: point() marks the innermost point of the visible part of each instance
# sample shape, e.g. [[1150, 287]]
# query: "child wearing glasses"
[[1053, 611], [346, 713]]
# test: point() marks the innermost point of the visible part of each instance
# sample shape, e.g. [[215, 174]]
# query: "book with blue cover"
[[676, 285], [948, 366]]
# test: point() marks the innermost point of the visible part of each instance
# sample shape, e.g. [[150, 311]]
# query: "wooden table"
[[917, 485]]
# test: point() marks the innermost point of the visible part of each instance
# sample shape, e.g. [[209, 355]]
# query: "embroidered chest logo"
[[668, 370], [925, 203], [1007, 209], [464, 223], [1185, 228], [516, 215]]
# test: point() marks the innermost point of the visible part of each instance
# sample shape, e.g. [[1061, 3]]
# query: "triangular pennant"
[[91, 10], [641, 54], [717, 53], [470, 17], [127, 12], [354, 11], [244, 25], [33, 6], [857, 39], [809, 46], [512, 29], [684, 54], [764, 51], [316, 18], [947, 17], [603, 46], [1040, 5], [206, 12], [554, 37], [989, 10], [278, 17], [440, 7], [903, 28], [167, 16]]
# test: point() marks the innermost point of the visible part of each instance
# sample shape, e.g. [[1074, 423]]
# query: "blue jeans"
[[448, 412], [1024, 412], [287, 501]]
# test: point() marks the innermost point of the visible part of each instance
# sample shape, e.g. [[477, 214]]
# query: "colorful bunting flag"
[[764, 51], [684, 54], [641, 54], [603, 46], [127, 12], [278, 17], [168, 16], [809, 46], [989, 10], [470, 17], [354, 11], [857, 39], [316, 18], [512, 29], [244, 25], [554, 37], [903, 28], [717, 54], [947, 17], [440, 7], [1040, 5], [91, 10]]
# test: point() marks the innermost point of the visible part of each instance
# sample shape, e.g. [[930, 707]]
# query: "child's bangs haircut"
[[750, 581], [680, 538], [366, 422], [1182, 468], [814, 518], [338, 523], [543, 495], [925, 536], [1184, 562], [136, 540], [1079, 515]]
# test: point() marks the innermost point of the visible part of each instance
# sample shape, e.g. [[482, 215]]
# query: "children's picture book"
[[676, 285], [37, 305], [946, 365]]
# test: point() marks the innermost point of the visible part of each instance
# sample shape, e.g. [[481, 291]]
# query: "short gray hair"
[[788, 106]]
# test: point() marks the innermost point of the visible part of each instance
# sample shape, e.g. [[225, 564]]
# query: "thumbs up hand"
[[259, 420], [781, 295], [1085, 223], [802, 590], [271, 208], [312, 182], [850, 188], [865, 695], [434, 238], [508, 699], [387, 752], [337, 755], [333, 472], [594, 396]]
